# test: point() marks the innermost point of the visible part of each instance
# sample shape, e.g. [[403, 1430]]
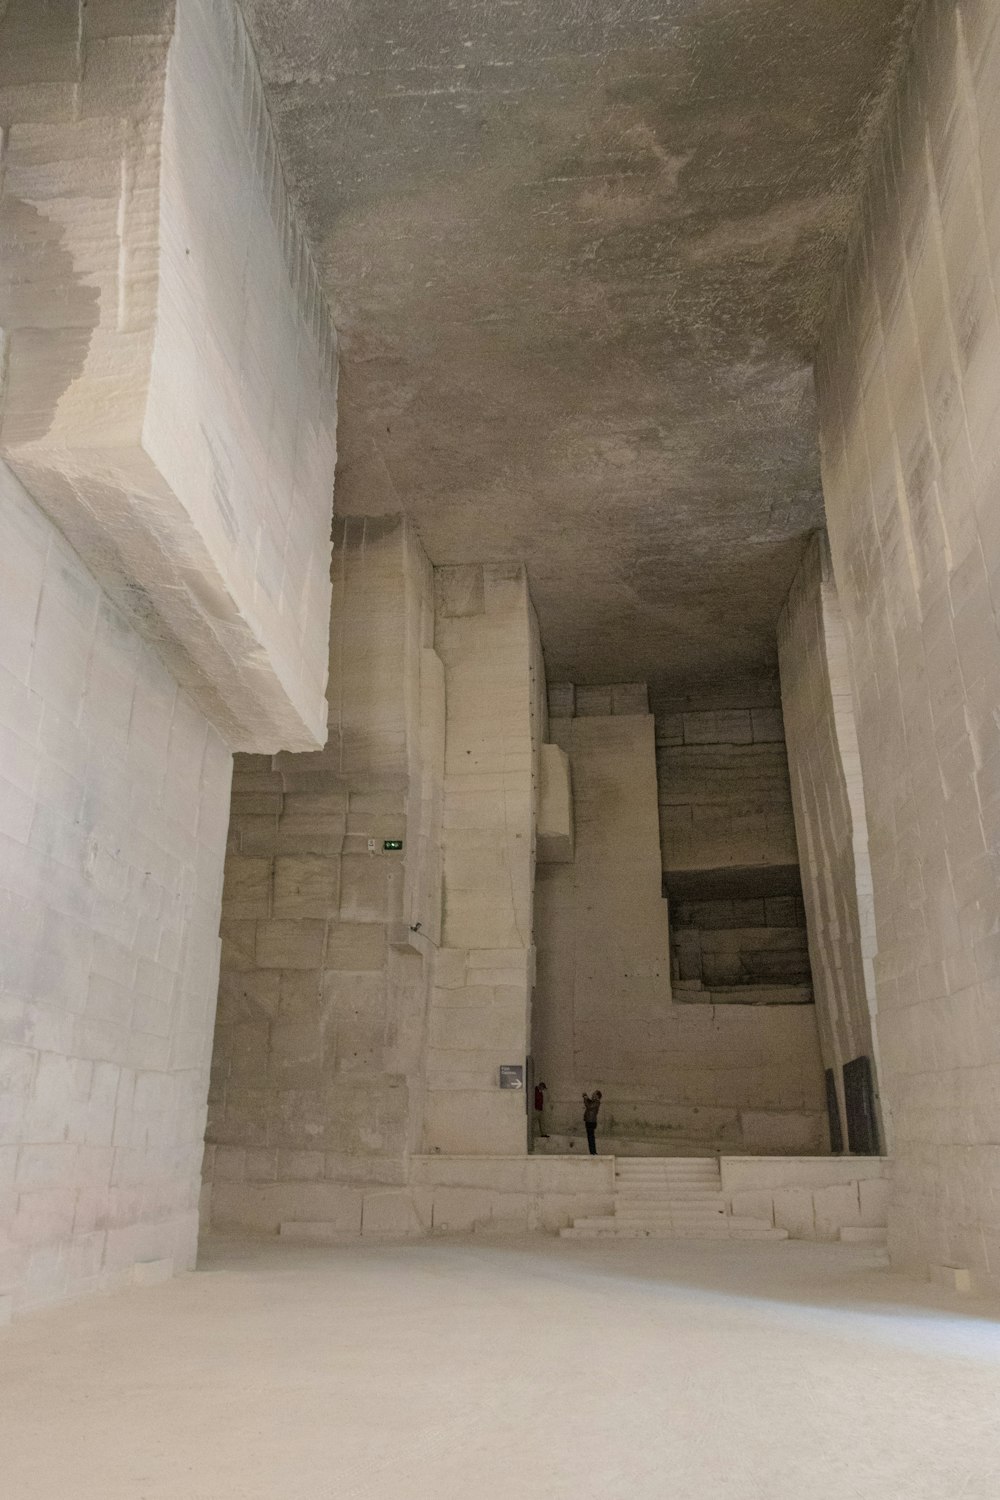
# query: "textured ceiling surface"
[[579, 252]]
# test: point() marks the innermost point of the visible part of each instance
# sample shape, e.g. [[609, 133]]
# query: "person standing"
[[591, 1105], [540, 1110]]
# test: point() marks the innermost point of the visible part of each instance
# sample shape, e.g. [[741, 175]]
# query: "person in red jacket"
[[539, 1110]]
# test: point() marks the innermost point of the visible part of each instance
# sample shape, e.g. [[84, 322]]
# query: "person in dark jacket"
[[591, 1105], [540, 1110]]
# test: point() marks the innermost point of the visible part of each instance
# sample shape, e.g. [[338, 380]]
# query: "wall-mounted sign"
[[388, 844], [512, 1075]]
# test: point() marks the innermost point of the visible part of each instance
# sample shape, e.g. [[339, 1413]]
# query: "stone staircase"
[[670, 1197]]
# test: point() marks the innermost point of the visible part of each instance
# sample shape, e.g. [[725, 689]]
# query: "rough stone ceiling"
[[579, 252]]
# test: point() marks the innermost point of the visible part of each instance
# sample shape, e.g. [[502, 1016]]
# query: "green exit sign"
[[389, 844]]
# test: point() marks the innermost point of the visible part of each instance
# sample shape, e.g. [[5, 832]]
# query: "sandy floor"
[[679, 1371]]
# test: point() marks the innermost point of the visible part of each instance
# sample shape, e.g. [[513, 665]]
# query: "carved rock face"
[[579, 255]]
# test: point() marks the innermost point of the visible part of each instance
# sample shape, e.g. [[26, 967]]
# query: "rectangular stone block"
[[733, 727], [239, 940], [269, 1206], [315, 1232], [562, 700], [356, 946], [247, 888], [954, 1278], [390, 1214], [835, 1208], [300, 1166], [152, 1272], [366, 882], [458, 1210], [753, 1205], [290, 944], [221, 516], [874, 1201], [459, 591], [306, 885], [593, 701], [629, 698], [311, 824], [768, 726], [794, 1210]]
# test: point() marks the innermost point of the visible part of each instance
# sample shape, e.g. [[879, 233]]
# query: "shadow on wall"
[[47, 336]]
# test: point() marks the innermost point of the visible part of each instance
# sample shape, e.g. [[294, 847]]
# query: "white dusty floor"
[[534, 1367]]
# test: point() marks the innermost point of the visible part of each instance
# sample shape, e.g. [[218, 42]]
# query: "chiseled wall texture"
[[318, 1072], [169, 363], [114, 800], [167, 386], [910, 414], [241, 416], [723, 788], [746, 1077], [367, 998], [830, 819], [480, 1017]]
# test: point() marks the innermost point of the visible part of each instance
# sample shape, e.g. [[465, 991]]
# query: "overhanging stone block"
[[169, 367]]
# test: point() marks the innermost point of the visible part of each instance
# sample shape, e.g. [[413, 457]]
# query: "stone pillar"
[[831, 824], [329, 930], [486, 636]]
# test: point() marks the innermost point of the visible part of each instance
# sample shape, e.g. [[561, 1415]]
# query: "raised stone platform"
[[799, 1197], [622, 1145]]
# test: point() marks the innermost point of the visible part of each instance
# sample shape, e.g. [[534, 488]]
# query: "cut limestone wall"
[[910, 426], [445, 1195], [169, 365], [836, 1198], [167, 384], [750, 951], [745, 1077], [723, 790], [487, 638], [320, 1045], [830, 819], [114, 798], [458, 1194], [566, 700], [555, 838], [369, 996]]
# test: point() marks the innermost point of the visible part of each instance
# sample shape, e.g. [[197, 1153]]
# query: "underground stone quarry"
[[499, 573]]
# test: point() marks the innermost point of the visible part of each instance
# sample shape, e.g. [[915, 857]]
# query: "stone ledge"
[[141, 403]]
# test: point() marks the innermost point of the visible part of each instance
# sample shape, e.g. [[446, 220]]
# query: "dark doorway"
[[833, 1110], [859, 1102]]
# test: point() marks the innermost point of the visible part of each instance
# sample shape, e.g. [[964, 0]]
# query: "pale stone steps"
[[660, 1194], [683, 1182], [646, 1169], [664, 1185], [669, 1163], [684, 1175], [714, 1204], [681, 1215], [670, 1198]]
